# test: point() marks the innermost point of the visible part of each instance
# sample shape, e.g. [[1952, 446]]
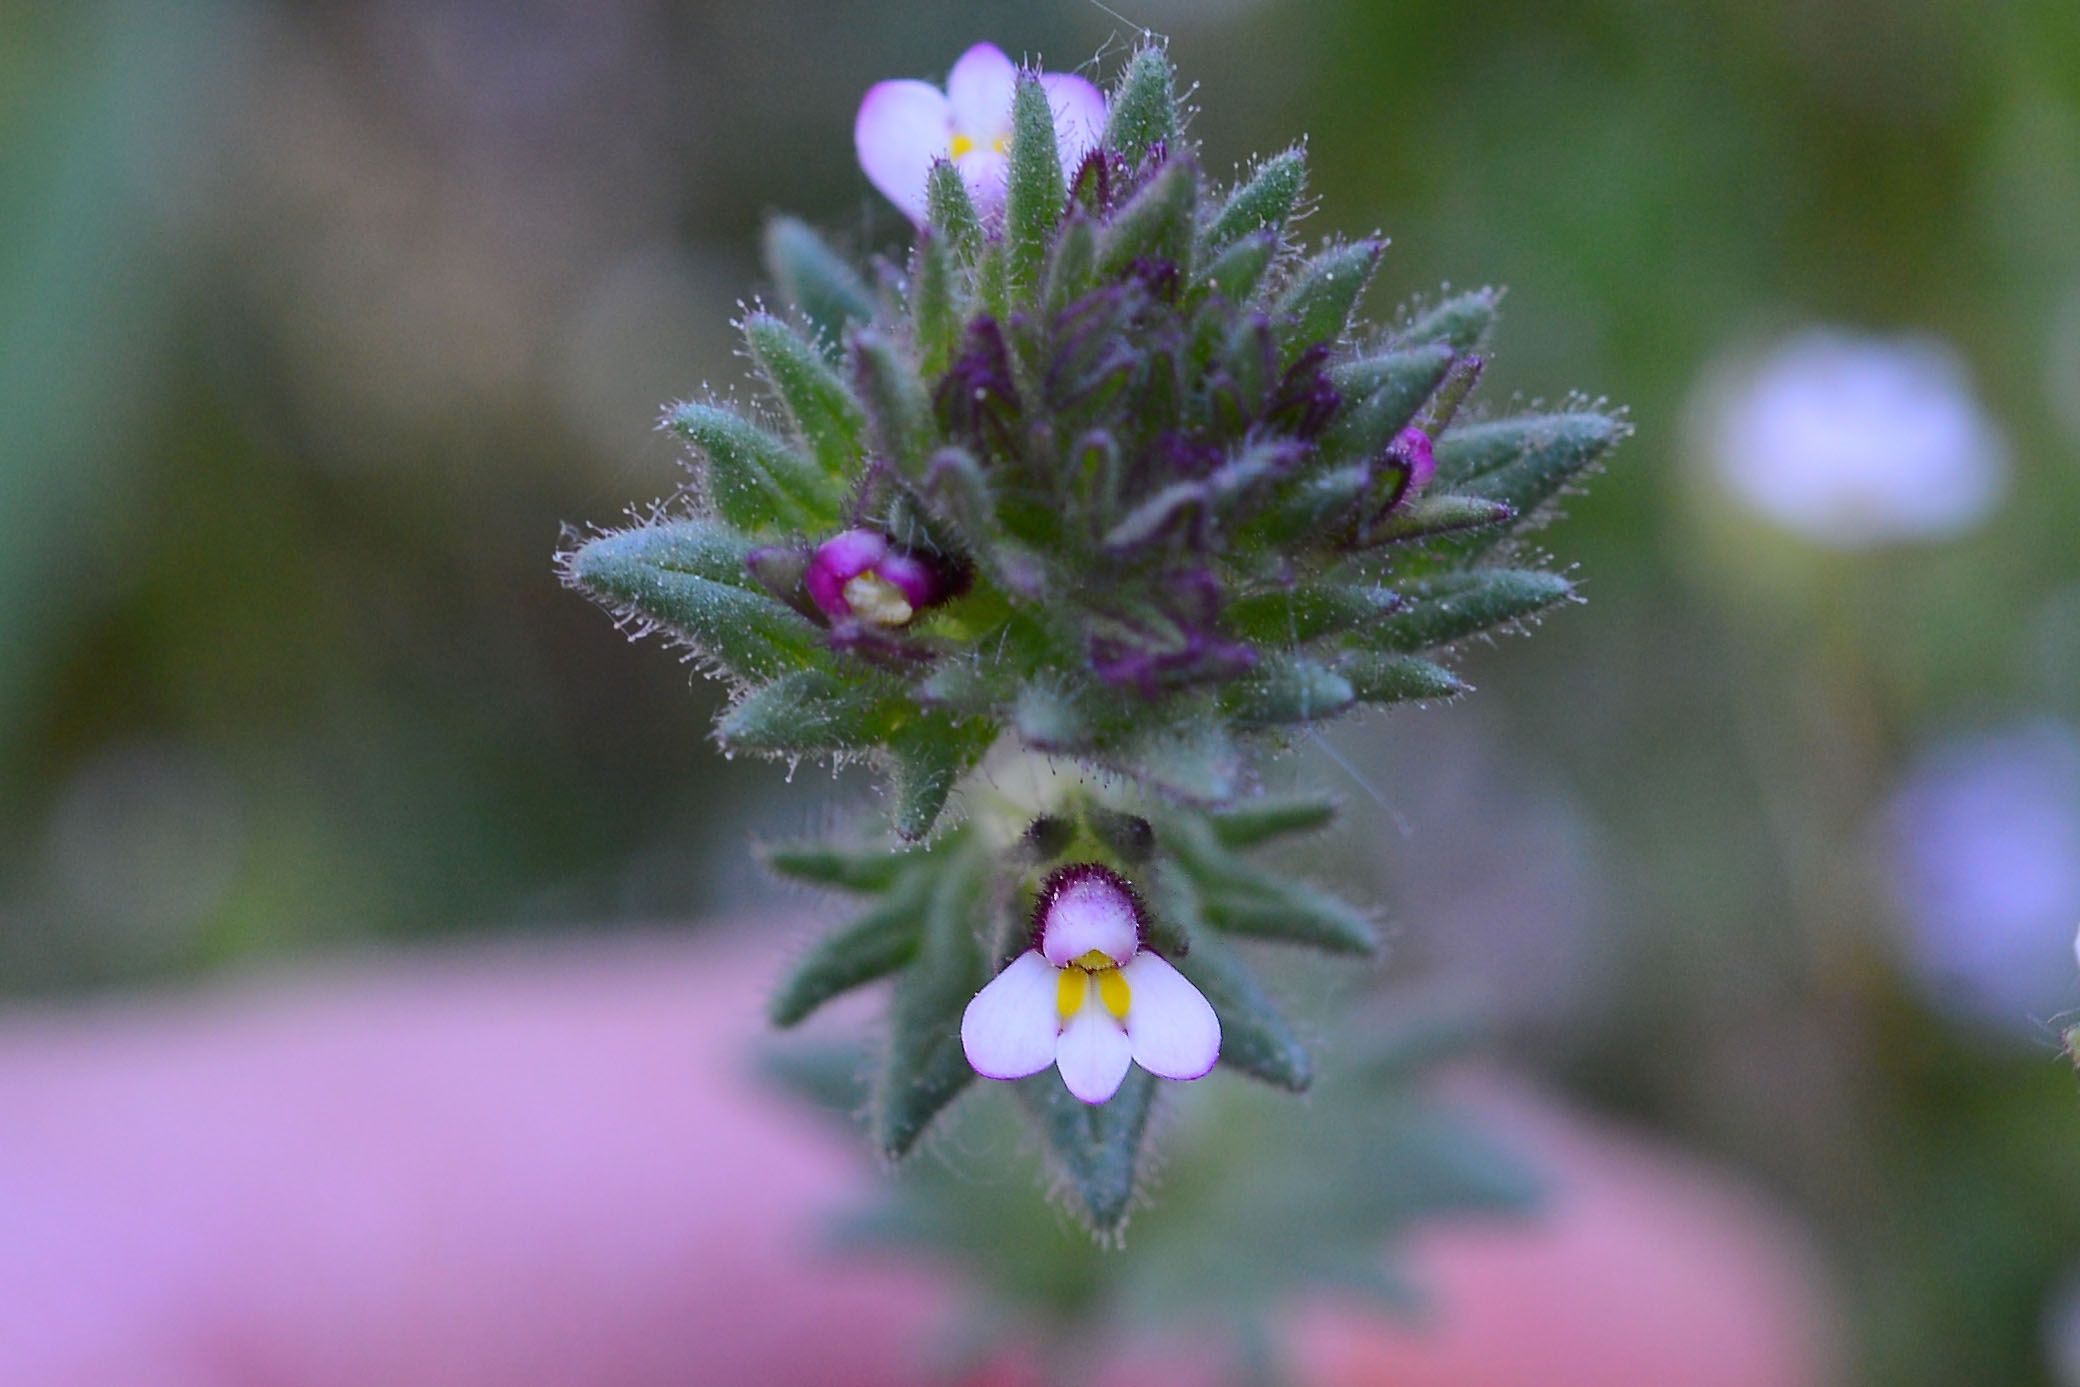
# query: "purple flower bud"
[[856, 576], [1412, 448]]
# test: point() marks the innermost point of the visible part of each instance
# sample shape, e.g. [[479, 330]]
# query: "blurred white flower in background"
[[1852, 441], [1982, 854]]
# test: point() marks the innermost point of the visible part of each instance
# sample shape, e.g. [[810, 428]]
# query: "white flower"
[[1852, 441], [905, 126], [1089, 999]]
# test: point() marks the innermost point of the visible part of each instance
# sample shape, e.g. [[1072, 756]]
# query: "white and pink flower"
[[905, 126], [1089, 998]]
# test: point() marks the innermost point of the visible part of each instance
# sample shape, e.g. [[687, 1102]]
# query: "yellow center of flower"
[[873, 598], [964, 144], [1074, 985]]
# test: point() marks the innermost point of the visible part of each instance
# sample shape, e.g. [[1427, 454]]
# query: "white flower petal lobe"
[[1171, 1027], [1011, 1026], [1093, 1055], [902, 127]]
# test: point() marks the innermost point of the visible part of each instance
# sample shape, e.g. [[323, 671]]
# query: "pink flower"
[[1413, 447], [1089, 999], [858, 576], [905, 126]]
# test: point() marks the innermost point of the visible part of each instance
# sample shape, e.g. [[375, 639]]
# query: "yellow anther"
[[962, 145], [1114, 992], [1094, 960], [1071, 987], [875, 599]]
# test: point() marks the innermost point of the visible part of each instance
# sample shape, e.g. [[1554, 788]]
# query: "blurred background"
[[317, 321]]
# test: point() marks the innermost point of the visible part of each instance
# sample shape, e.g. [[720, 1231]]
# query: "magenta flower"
[[858, 576], [905, 126], [1413, 447], [1088, 998]]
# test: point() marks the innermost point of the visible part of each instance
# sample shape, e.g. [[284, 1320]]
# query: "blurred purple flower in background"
[[1852, 441], [1983, 858]]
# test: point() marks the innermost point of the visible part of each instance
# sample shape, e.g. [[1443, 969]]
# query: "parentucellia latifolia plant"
[[1064, 520]]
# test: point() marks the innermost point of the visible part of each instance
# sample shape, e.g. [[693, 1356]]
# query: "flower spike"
[[1103, 488]]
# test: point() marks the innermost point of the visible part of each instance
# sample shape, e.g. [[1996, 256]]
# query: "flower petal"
[[917, 580], [979, 89], [1093, 1054], [902, 127], [1079, 116], [987, 174], [1010, 1028], [1170, 1024], [837, 561], [1086, 907]]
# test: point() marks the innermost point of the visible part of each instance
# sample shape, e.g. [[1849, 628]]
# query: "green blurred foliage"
[[317, 322]]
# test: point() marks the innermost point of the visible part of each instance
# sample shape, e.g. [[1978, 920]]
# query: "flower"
[[858, 576], [1982, 852], [1852, 441], [1413, 447], [1088, 998], [905, 126]]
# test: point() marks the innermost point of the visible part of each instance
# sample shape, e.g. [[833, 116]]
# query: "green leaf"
[[958, 492], [878, 943], [1256, 1038], [1410, 373], [1462, 322], [1236, 271], [1175, 920], [1196, 764], [801, 378], [1243, 898], [812, 711], [748, 633], [1034, 192], [1363, 430], [1533, 453], [752, 479], [1259, 821], [820, 864], [899, 414], [1306, 611], [1266, 202], [1284, 690], [930, 755], [1072, 270], [1096, 1148], [924, 1067], [1050, 718], [698, 547], [1377, 678], [952, 212], [1316, 508], [1438, 515], [1452, 606], [1144, 108], [935, 319], [1290, 912], [1324, 294], [816, 279], [1155, 225]]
